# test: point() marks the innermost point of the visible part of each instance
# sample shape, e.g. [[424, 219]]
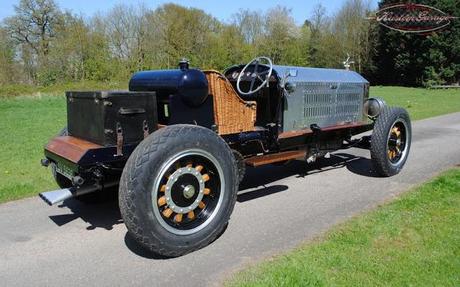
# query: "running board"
[[274, 157]]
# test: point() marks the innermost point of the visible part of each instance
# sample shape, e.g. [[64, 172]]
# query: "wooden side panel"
[[70, 148], [291, 134], [276, 157]]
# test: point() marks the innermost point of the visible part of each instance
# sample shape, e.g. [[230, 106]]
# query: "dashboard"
[[248, 76]]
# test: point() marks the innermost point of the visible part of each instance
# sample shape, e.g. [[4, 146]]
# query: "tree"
[[34, 24], [125, 28], [7, 65], [413, 59], [283, 41], [69, 49], [180, 32], [98, 58], [323, 48], [34, 27], [353, 32], [250, 24]]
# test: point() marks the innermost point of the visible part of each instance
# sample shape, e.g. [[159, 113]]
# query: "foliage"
[[44, 45], [7, 68], [414, 60], [410, 242]]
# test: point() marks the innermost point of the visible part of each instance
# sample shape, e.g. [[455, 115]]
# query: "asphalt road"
[[277, 208]]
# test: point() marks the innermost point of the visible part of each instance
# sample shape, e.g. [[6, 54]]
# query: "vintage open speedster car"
[[178, 142]]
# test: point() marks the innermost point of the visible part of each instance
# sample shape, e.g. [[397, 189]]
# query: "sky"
[[222, 10]]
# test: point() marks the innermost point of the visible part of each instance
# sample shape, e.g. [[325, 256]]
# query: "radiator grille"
[[325, 104]]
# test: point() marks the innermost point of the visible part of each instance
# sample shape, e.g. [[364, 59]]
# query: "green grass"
[[421, 103], [9, 91], [413, 241], [26, 124]]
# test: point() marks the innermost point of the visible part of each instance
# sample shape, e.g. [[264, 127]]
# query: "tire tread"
[[131, 180], [379, 140]]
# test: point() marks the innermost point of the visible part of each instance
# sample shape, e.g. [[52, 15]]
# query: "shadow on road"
[[264, 191], [102, 215], [107, 214], [262, 177]]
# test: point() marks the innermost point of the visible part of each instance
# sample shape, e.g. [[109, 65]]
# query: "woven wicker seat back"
[[231, 113]]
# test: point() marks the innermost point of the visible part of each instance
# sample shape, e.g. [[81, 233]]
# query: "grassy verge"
[[9, 91], [26, 124], [421, 103], [413, 241]]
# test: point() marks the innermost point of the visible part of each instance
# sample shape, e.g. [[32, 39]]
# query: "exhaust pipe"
[[55, 196], [59, 195]]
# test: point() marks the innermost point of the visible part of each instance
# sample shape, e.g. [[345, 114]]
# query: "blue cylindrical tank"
[[190, 84]]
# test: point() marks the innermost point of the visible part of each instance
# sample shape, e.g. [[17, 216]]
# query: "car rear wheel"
[[178, 189], [390, 141]]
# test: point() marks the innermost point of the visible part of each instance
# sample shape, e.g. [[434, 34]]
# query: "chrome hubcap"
[[189, 191]]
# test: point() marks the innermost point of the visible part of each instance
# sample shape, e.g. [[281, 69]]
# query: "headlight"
[[373, 107]]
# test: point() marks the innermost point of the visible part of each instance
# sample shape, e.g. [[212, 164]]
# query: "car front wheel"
[[178, 189], [391, 141]]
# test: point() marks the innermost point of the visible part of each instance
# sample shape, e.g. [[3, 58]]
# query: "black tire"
[[147, 175], [64, 182], [390, 141]]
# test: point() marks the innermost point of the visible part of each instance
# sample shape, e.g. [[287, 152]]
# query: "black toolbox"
[[108, 117]]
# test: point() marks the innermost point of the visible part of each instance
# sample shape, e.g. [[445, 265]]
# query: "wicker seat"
[[231, 113]]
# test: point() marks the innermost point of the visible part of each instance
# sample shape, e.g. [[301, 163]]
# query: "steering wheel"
[[255, 75]]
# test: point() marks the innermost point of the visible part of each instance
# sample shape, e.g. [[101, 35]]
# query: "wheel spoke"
[[178, 218], [206, 191], [162, 201], [206, 177], [201, 205], [396, 143], [264, 72], [199, 168], [167, 212], [191, 215], [251, 86]]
